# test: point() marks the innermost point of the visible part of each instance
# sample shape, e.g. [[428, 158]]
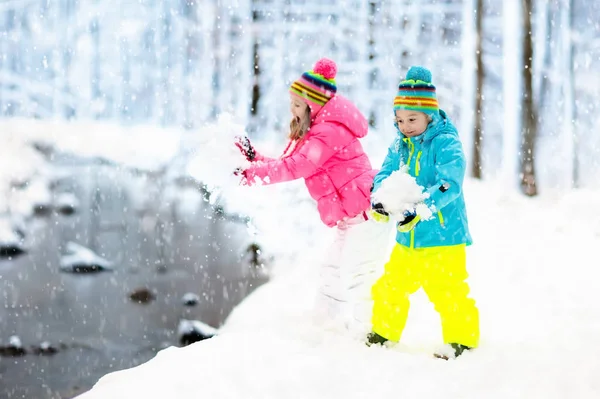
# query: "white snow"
[[144, 147], [216, 156], [9, 235], [15, 342], [24, 176], [532, 274], [399, 193]]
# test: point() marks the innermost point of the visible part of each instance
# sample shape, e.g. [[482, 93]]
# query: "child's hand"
[[245, 147], [238, 172], [378, 213], [241, 173], [409, 222]]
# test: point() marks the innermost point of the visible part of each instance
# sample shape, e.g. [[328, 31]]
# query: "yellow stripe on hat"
[[310, 92], [415, 104], [404, 101]]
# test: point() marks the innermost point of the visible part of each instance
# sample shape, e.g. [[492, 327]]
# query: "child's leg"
[[401, 278], [330, 295], [366, 249], [444, 276]]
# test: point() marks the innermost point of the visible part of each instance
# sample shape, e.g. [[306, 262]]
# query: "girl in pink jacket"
[[324, 150]]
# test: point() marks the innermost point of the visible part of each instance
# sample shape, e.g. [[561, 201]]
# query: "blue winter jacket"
[[437, 161]]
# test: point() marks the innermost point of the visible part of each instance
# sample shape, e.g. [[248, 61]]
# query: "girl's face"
[[411, 123], [297, 107]]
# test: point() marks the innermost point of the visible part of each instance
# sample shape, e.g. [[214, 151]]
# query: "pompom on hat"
[[317, 86], [416, 92]]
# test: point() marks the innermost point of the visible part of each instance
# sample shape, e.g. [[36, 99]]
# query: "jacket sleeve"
[[258, 157], [390, 164], [450, 165], [311, 156]]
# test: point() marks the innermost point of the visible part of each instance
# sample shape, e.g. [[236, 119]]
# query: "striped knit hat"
[[417, 93], [317, 86]]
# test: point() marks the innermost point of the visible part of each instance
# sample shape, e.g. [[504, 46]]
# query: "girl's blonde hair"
[[298, 128]]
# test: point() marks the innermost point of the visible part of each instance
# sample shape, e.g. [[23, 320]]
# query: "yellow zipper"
[[418, 164], [441, 217]]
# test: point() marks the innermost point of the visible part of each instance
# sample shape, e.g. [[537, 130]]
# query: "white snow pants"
[[352, 264]]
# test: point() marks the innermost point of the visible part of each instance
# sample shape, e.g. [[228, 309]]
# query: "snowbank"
[[25, 175], [142, 147]]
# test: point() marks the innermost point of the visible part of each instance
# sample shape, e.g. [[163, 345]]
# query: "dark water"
[[162, 236]]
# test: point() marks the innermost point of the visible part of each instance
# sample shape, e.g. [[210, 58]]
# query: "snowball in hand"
[[400, 192]]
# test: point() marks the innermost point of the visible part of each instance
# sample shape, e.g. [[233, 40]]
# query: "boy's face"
[[411, 123], [297, 107]]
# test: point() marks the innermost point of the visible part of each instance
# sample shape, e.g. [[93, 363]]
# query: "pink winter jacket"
[[330, 158]]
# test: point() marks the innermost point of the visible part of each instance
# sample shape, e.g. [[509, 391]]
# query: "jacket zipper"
[[411, 150], [411, 146]]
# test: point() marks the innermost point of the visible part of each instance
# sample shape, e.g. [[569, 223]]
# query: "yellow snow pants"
[[441, 272]]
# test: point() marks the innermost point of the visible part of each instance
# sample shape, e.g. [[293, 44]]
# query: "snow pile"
[[11, 239], [19, 164], [400, 193], [18, 160]]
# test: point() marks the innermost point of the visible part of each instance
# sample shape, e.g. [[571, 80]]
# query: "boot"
[[456, 349], [374, 338]]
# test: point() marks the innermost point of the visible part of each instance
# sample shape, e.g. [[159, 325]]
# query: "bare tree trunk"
[[529, 111], [372, 10], [544, 52], [478, 125], [569, 93], [255, 78]]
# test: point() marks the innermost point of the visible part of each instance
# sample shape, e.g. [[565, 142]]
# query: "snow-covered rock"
[[79, 259], [11, 238], [190, 331], [45, 348], [14, 347], [66, 203], [190, 299]]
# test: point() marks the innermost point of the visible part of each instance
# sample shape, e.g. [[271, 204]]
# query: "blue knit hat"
[[416, 92]]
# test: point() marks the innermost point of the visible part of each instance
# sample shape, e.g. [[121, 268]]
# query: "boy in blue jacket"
[[429, 253]]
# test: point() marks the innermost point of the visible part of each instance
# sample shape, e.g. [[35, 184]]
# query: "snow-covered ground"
[[533, 270], [144, 147], [25, 175]]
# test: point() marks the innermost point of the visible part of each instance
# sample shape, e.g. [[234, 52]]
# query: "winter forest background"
[[528, 90]]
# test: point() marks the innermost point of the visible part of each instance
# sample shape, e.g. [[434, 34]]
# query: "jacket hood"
[[341, 110]]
